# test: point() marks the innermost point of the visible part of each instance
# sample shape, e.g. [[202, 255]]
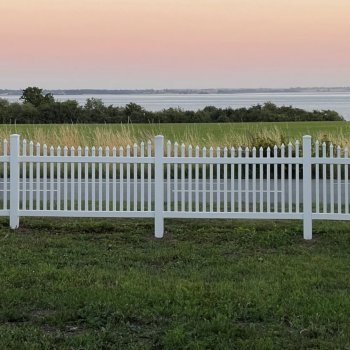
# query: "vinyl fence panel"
[[164, 180]]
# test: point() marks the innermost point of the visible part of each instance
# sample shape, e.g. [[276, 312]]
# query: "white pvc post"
[[158, 187], [307, 187], [14, 181]]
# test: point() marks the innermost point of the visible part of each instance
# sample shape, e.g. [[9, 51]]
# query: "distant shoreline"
[[6, 92]]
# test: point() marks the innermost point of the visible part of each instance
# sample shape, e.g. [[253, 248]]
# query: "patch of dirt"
[[51, 330], [73, 330], [41, 313], [67, 331]]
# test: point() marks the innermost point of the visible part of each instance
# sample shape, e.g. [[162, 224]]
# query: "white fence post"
[[307, 187], [14, 181], [158, 186]]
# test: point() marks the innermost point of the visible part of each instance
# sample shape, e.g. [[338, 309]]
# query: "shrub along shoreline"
[[42, 109]]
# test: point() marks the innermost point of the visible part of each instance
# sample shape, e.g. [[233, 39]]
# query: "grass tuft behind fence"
[[215, 135]]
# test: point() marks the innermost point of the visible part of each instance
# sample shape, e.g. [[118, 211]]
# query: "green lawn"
[[108, 284]]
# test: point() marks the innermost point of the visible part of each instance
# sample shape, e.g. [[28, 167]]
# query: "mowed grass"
[[108, 284], [224, 134]]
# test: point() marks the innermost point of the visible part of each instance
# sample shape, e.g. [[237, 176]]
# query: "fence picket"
[[168, 181], [86, 179], [346, 181], [107, 179], [261, 181], [189, 179], [331, 175], [290, 178], [79, 180], [176, 146], [128, 179], [142, 176], [275, 180], [324, 177], [100, 180], [31, 177], [93, 181], [283, 199], [225, 181], [233, 206], [135, 177], [317, 175], [114, 180], [52, 179], [254, 180], [149, 179], [197, 180], [211, 181], [297, 200], [65, 180], [5, 175], [37, 176], [218, 181], [339, 201], [24, 176], [182, 178], [45, 178], [121, 180], [204, 181], [58, 197], [246, 185], [268, 178], [72, 180], [240, 181]]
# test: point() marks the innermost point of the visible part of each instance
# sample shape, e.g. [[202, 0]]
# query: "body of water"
[[339, 102]]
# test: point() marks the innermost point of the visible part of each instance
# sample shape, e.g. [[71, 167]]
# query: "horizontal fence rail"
[[159, 181]]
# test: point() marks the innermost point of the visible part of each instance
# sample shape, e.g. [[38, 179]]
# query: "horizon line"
[[187, 89]]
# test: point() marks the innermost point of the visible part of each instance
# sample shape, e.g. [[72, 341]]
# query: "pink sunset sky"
[[174, 43]]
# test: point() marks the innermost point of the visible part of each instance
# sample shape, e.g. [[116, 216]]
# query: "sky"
[[138, 44]]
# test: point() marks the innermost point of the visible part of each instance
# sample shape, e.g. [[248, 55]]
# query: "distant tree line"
[[39, 108]]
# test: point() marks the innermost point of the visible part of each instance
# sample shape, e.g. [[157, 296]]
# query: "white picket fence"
[[160, 181]]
